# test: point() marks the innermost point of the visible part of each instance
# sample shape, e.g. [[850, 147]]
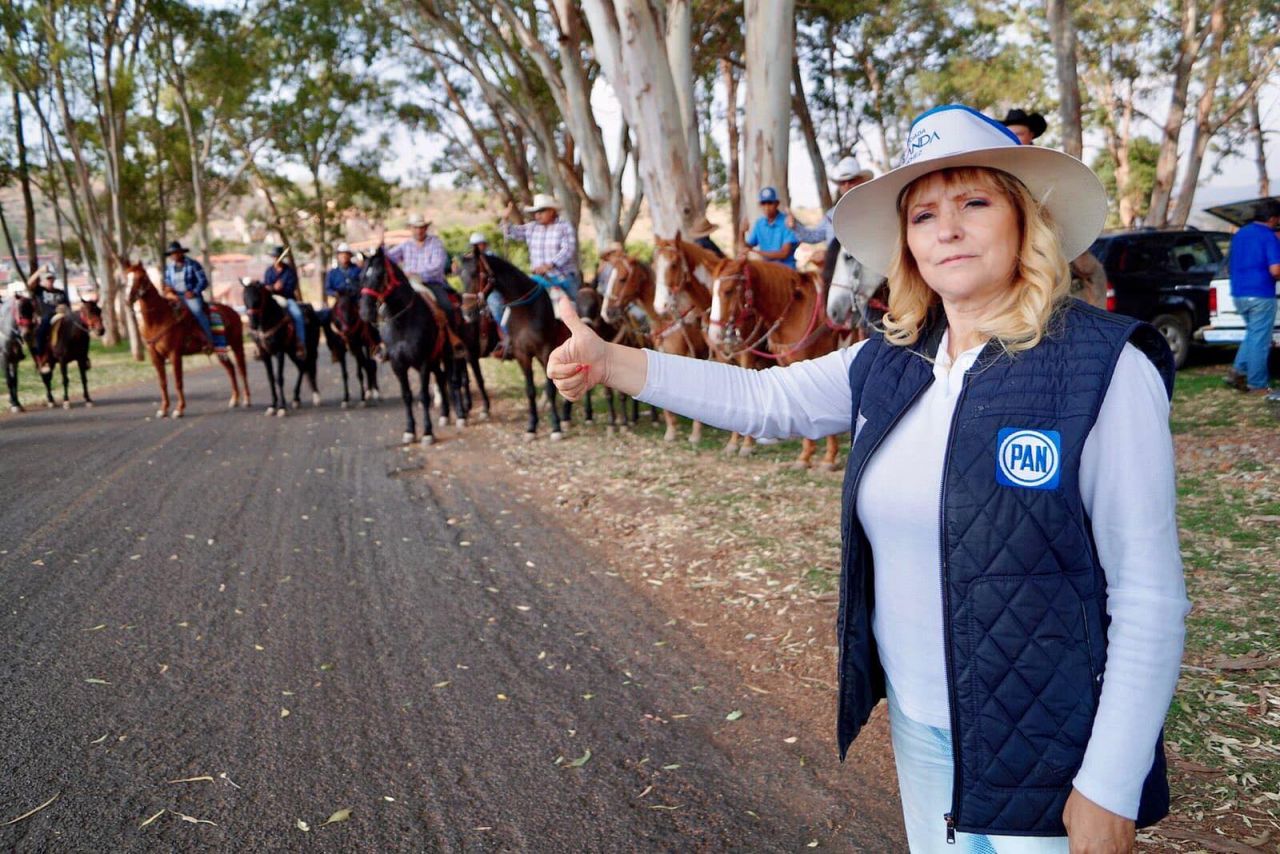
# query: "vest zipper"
[[952, 817]]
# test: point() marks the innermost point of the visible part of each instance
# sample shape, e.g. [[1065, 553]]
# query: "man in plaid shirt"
[[553, 251], [423, 256]]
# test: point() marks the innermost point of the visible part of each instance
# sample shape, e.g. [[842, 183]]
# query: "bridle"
[[255, 315], [391, 283], [747, 309], [485, 281]]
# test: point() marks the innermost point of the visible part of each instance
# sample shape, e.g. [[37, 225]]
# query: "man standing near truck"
[[1255, 266]]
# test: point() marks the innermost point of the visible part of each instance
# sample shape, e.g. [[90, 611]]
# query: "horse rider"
[[344, 278], [478, 242], [49, 299], [423, 257], [1027, 127], [700, 235], [187, 281], [771, 237], [281, 278], [553, 250], [846, 175]]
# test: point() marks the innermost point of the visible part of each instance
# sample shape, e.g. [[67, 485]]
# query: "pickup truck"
[[1225, 324]]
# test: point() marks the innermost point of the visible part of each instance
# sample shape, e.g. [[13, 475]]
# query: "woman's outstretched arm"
[[809, 399]]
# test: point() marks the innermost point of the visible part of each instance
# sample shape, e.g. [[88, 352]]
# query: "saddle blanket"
[[219, 330]]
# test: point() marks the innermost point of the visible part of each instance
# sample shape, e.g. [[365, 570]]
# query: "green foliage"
[[1143, 154]]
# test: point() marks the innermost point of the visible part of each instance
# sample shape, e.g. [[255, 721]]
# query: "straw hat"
[[542, 201], [848, 169], [702, 228], [417, 220], [955, 135]]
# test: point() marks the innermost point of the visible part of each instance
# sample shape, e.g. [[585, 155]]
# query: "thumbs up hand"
[[586, 359]]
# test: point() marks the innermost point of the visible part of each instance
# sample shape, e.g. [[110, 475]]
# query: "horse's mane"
[[766, 273], [502, 267]]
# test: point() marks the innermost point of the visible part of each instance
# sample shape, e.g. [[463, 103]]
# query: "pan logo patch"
[[1030, 459]]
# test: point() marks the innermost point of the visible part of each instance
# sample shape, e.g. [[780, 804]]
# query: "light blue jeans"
[[923, 756], [197, 306], [1259, 314]]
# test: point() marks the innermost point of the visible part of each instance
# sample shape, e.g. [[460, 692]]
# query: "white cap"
[[542, 201], [848, 169], [954, 135], [476, 238], [343, 247]]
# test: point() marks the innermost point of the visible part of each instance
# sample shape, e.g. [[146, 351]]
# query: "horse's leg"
[[237, 350], [178, 386], [84, 379], [526, 365], [695, 433], [158, 361], [47, 377], [424, 372], [66, 394], [731, 446], [11, 380], [807, 449], [268, 362], [312, 368], [588, 411], [672, 432], [557, 429], [748, 446], [406, 395], [283, 406], [484, 394], [341, 357], [297, 385], [231, 375], [457, 372], [833, 452]]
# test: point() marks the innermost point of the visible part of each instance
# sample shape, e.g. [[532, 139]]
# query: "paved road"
[[319, 620]]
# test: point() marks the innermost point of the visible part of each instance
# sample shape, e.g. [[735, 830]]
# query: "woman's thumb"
[[569, 314]]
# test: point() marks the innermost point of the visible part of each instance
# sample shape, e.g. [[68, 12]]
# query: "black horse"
[[478, 331], [533, 332], [272, 330], [17, 323], [345, 332], [414, 340], [69, 342], [590, 306]]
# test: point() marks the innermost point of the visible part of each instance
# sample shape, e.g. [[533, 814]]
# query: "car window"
[[1146, 255], [1191, 253]]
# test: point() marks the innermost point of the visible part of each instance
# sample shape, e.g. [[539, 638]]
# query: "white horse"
[[850, 291]]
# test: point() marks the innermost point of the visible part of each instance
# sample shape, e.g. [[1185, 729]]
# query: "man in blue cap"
[[770, 237], [185, 277], [281, 278]]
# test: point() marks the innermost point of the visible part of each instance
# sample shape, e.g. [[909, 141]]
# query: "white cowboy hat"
[[542, 201], [416, 220], [955, 135], [343, 247], [477, 238], [848, 169]]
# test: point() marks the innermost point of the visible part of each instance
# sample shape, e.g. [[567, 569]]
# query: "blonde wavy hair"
[[1041, 277]]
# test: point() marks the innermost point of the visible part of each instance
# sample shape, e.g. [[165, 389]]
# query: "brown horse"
[[69, 342], [171, 332], [778, 314]]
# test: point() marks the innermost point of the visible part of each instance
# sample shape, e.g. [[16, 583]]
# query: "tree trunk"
[[1167, 164], [8, 239], [197, 174], [679, 41], [800, 105], [24, 178], [1062, 32], [1259, 147], [732, 175], [770, 46]]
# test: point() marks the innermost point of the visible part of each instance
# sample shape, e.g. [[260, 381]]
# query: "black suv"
[[1163, 277]]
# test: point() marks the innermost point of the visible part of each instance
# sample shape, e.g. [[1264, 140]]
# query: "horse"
[[272, 330], [590, 305], [855, 300], [69, 342], [414, 338], [345, 332], [478, 331], [17, 322], [534, 329], [776, 313], [170, 332]]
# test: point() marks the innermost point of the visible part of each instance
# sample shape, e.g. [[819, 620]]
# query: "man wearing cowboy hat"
[[344, 278], [846, 175], [49, 299], [771, 237], [553, 245], [1027, 127], [700, 234], [281, 278], [423, 256], [186, 279]]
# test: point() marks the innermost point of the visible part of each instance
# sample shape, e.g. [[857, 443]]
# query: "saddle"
[[449, 316]]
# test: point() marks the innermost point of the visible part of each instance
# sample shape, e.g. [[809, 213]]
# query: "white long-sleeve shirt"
[[1126, 485]]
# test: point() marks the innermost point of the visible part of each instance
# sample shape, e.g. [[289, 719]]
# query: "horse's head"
[[669, 273], [841, 291], [732, 303], [91, 315], [136, 280], [589, 304], [377, 280], [625, 286], [255, 299]]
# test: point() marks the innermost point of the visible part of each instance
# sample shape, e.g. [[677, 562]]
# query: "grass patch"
[[110, 366]]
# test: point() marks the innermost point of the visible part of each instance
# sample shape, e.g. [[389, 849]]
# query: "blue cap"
[[768, 194]]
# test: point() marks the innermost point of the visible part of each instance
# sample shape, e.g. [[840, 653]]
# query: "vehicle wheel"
[[1176, 329]]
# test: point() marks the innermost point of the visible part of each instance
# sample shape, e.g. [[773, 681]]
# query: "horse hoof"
[[66, 404], [49, 404], [557, 436], [589, 421], [442, 421], [344, 404], [297, 404], [801, 465], [177, 413], [315, 398], [407, 438], [460, 423], [428, 439], [269, 411], [530, 436], [746, 451], [484, 416], [611, 430], [827, 466], [376, 395], [13, 407], [670, 436], [281, 412], [160, 413]]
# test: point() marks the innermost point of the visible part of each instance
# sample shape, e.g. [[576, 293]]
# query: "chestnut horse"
[[170, 332], [591, 309], [69, 342], [776, 313]]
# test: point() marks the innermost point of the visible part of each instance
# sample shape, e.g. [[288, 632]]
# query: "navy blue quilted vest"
[[1024, 599]]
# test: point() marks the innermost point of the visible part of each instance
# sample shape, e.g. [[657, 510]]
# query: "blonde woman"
[[1011, 580]]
